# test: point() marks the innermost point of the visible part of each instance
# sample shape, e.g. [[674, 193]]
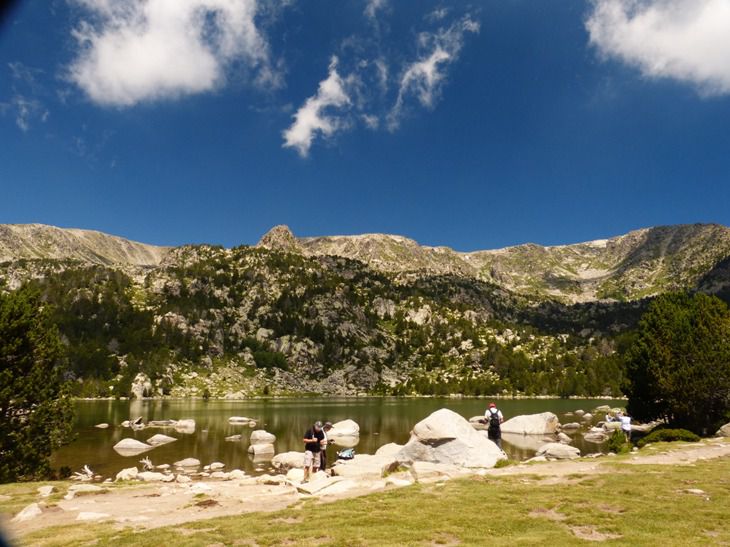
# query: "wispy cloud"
[[686, 40], [372, 7], [25, 105], [131, 51], [315, 115], [424, 78], [25, 110]]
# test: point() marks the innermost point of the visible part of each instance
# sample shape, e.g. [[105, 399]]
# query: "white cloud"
[[316, 114], [423, 79], [687, 40], [373, 6], [133, 50]]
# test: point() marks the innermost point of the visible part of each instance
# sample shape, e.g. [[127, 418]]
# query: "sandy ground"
[[150, 505]]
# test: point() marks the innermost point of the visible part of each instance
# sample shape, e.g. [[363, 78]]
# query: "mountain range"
[[353, 314]]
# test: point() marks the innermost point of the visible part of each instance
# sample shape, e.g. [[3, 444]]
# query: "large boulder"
[[724, 431], [558, 451], [545, 423], [157, 440], [131, 447], [479, 423], [260, 436], [288, 460], [446, 437], [345, 428], [390, 449]]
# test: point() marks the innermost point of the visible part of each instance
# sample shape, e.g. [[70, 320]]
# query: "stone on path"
[[557, 451], [29, 512], [45, 491], [545, 423], [365, 466], [90, 515]]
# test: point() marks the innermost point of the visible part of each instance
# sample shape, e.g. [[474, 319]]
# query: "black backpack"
[[493, 420]]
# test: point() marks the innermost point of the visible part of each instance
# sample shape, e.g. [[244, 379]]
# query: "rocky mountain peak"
[[280, 238]]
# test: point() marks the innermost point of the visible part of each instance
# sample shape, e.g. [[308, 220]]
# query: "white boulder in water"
[[185, 426], [545, 423], [188, 462], [446, 437], [344, 428], [262, 437], [157, 440], [131, 447]]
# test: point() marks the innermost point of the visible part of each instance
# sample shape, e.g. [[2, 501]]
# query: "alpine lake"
[[382, 420]]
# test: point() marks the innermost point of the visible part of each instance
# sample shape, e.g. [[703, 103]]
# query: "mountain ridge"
[[641, 263]]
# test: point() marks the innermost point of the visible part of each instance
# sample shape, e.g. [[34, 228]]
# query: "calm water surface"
[[382, 420]]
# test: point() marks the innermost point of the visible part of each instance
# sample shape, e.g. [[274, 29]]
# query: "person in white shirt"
[[323, 444], [626, 426], [493, 417]]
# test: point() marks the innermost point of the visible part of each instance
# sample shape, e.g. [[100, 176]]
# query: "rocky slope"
[[629, 267], [38, 241], [344, 315]]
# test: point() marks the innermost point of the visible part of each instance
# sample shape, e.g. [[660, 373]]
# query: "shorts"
[[311, 460]]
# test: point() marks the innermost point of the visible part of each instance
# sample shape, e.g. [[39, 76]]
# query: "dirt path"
[[151, 505]]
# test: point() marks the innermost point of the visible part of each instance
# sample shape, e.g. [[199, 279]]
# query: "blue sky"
[[474, 125]]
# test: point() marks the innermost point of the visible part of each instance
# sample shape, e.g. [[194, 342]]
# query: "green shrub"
[[668, 435], [617, 443]]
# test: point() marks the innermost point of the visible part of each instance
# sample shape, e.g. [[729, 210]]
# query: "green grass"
[[637, 505]]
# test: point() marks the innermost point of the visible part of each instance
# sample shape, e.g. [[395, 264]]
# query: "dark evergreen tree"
[[36, 414], [678, 368]]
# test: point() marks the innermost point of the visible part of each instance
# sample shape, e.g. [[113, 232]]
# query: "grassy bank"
[[637, 505]]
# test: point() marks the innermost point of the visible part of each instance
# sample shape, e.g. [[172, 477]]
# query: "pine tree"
[[678, 368], [36, 413]]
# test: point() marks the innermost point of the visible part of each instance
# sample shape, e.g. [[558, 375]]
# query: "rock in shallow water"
[[545, 423]]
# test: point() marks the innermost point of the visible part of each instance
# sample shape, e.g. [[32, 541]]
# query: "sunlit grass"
[[637, 505]]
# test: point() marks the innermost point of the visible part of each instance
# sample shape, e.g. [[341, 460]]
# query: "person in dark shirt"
[[312, 439]]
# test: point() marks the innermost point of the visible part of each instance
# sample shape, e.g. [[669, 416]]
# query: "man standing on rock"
[[494, 421], [312, 459]]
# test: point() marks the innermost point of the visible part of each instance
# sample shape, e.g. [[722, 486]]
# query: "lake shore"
[[561, 493]]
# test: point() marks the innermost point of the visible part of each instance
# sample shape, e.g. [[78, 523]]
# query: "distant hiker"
[[626, 426], [312, 439], [323, 453], [493, 417]]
